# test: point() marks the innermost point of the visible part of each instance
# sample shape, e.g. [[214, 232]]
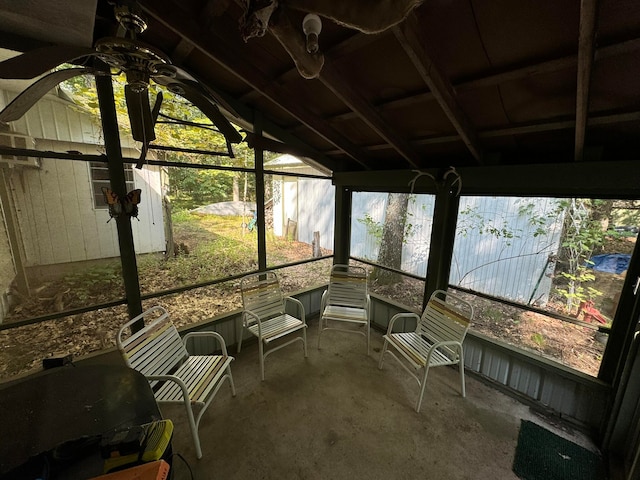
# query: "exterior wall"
[[516, 268], [316, 213], [57, 221], [307, 201]]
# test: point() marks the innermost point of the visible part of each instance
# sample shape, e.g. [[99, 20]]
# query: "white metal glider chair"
[[436, 341], [265, 315], [346, 301], [158, 352]]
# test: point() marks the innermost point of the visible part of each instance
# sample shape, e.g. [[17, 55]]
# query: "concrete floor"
[[334, 415]]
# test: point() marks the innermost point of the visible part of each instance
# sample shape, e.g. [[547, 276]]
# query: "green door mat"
[[543, 455]]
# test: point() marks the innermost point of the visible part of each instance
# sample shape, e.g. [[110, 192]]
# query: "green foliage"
[[575, 290], [373, 228], [471, 219], [538, 339], [493, 314], [83, 284], [582, 234], [217, 249]]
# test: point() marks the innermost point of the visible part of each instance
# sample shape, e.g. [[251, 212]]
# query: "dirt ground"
[[22, 349]]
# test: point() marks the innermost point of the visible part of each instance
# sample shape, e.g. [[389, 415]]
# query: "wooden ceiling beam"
[[414, 45], [352, 44], [335, 82], [549, 66], [594, 121], [586, 42], [230, 57]]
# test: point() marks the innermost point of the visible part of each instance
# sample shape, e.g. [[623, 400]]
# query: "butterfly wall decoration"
[[127, 205]]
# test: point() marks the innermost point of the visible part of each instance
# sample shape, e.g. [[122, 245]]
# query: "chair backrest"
[[156, 349], [261, 293], [447, 317], [347, 286]]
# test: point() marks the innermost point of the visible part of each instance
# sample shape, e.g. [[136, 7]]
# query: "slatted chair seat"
[[436, 341], [277, 327], [158, 352], [346, 301], [200, 375], [265, 317]]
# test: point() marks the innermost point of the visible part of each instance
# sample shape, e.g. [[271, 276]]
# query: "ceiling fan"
[[141, 63]]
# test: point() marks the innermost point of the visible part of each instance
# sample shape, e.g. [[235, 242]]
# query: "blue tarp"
[[610, 262]]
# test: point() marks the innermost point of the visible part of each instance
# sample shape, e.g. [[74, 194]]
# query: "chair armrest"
[[170, 378], [398, 316], [249, 313], [299, 305], [448, 343], [220, 338], [323, 301]]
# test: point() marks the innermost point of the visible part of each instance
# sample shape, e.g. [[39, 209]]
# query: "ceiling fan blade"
[[36, 62], [27, 99], [139, 111], [185, 77], [200, 100], [156, 108], [154, 118]]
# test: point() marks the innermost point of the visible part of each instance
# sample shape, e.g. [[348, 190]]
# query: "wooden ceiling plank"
[[594, 121], [410, 38], [586, 42], [335, 82], [549, 66], [230, 58]]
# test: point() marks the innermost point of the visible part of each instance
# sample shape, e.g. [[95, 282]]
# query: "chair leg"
[[260, 351], [461, 368], [384, 350], [194, 429], [304, 341], [233, 385], [422, 387], [319, 331], [240, 335], [368, 338]]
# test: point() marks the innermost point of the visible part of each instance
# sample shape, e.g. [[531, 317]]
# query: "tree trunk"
[[390, 254], [236, 187]]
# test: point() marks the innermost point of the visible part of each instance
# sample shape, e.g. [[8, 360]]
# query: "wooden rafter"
[[586, 49], [228, 56], [410, 37], [331, 79], [549, 66], [353, 43], [611, 119]]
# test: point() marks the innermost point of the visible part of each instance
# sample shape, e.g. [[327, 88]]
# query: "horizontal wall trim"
[[618, 179]]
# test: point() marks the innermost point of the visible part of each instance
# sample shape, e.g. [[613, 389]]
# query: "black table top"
[[70, 403]]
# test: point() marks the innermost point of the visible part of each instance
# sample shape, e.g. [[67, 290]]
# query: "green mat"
[[543, 455]]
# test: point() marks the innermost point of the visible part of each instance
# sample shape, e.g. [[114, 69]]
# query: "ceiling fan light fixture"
[[312, 26]]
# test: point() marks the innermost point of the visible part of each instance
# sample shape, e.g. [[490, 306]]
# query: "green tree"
[[585, 227], [392, 239], [180, 124]]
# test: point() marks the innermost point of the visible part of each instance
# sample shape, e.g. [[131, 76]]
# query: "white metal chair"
[[346, 301], [158, 352], [436, 341], [265, 315]]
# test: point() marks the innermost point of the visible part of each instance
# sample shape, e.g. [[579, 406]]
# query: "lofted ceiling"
[[458, 82]]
